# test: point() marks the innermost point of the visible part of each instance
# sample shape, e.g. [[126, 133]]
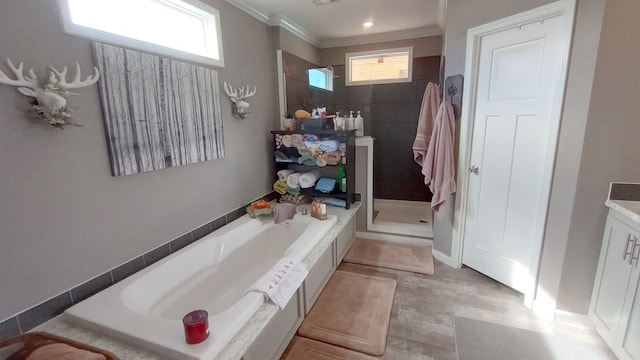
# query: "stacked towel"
[[307, 160], [333, 158], [284, 173], [293, 180], [328, 145], [309, 178], [326, 185], [280, 187]]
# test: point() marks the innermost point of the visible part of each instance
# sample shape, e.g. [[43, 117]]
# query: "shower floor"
[[412, 218]]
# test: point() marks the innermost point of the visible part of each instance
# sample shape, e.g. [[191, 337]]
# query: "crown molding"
[[382, 37], [295, 29], [304, 34], [250, 10]]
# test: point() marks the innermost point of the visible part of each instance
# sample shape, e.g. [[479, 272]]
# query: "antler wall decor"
[[51, 93], [238, 97]]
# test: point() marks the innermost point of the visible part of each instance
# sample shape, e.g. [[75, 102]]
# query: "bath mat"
[[391, 255], [480, 340], [307, 349], [353, 311]]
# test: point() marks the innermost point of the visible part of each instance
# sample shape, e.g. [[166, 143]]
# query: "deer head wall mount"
[[238, 97], [51, 93]]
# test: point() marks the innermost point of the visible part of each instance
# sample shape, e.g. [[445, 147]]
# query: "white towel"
[[428, 112], [284, 173], [281, 282], [293, 180], [438, 167], [309, 178]]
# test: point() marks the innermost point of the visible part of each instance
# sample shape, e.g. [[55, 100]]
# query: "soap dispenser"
[[339, 122], [359, 125], [350, 121]]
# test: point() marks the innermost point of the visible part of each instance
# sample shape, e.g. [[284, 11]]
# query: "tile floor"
[[421, 325]]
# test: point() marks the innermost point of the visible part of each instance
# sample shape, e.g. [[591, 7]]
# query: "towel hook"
[[452, 90]]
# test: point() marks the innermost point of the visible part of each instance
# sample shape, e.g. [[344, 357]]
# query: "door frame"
[[564, 8]]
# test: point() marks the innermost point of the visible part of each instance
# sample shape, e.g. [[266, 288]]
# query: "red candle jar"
[[196, 326]]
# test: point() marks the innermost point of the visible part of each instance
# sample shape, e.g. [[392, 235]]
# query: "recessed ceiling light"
[[368, 24]]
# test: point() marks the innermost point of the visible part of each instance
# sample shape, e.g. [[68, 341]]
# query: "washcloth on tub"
[[309, 178], [280, 187], [281, 281], [293, 179], [326, 185], [283, 211]]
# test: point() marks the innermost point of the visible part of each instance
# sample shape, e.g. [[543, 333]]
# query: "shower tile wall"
[[390, 114]]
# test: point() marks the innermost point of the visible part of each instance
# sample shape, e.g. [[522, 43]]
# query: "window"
[[321, 78], [185, 29], [379, 67]]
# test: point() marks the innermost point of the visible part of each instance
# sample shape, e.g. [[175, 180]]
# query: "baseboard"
[[445, 259], [574, 319]]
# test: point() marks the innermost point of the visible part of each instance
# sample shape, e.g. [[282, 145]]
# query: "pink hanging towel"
[[428, 112], [438, 167]]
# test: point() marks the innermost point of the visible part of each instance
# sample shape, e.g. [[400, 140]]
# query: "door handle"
[[627, 250], [474, 169], [635, 251]]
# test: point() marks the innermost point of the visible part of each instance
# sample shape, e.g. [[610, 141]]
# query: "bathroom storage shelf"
[[346, 137]]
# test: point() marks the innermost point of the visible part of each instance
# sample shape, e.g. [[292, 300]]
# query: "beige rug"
[[391, 255], [307, 349], [353, 311]]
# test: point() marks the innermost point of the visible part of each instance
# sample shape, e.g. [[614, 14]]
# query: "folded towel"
[[280, 187], [307, 160], [286, 140], [297, 140], [328, 145], [333, 158], [331, 201], [281, 282], [293, 179], [303, 150], [282, 174], [280, 156], [293, 190], [326, 185], [309, 178], [283, 211]]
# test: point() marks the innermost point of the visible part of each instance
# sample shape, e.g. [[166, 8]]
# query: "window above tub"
[[379, 67], [183, 29]]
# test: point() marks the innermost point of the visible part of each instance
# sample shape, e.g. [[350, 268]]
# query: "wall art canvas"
[[158, 112]]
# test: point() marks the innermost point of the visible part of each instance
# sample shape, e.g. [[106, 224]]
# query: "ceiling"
[[339, 22]]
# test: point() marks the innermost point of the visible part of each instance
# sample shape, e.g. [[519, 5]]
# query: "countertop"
[[238, 344], [628, 208], [624, 197]]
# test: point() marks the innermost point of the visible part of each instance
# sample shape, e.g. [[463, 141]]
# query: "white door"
[[518, 92]]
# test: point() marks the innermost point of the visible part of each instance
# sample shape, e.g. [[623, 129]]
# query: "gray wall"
[[63, 218], [462, 15], [611, 147], [294, 45]]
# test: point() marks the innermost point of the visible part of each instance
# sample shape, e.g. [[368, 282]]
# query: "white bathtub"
[[214, 274]]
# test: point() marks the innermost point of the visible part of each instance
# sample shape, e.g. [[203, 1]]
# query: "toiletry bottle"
[[339, 122], [350, 121], [342, 180], [359, 125]]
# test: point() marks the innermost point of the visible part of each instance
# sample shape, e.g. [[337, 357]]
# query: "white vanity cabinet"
[[615, 302]]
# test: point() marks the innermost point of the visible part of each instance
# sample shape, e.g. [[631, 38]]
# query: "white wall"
[[63, 218], [462, 15]]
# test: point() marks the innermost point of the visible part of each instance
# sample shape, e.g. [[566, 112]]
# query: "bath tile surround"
[[55, 306]]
